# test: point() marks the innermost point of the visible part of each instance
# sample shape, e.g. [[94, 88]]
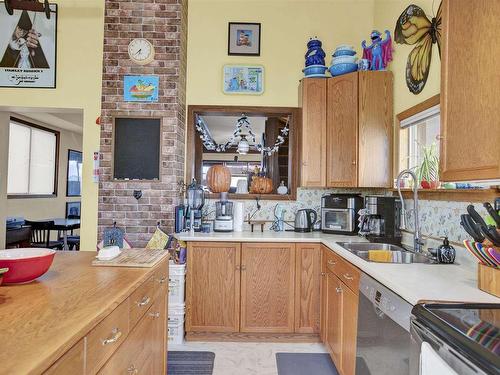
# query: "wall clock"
[[141, 51]]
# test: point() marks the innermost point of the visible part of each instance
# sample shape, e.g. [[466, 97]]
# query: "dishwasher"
[[383, 337]]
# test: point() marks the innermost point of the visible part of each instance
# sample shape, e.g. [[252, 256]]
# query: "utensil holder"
[[488, 279]]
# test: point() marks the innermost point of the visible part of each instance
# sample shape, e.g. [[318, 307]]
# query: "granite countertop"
[[413, 282]]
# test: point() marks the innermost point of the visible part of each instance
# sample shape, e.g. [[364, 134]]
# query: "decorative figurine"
[[380, 52], [315, 59]]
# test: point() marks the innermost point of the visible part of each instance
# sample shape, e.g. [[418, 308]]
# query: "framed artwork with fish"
[[28, 48]]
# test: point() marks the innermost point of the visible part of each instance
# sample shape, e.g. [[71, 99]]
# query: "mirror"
[[256, 144]]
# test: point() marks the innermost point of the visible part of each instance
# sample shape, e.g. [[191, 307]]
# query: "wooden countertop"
[[40, 321]]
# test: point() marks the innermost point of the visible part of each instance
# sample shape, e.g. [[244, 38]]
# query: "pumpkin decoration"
[[261, 185], [219, 179]]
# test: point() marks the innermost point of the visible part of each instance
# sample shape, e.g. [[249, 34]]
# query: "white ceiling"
[[222, 127], [68, 119]]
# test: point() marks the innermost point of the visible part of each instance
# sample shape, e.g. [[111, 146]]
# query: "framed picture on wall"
[[141, 88], [28, 45], [243, 39], [243, 79], [74, 174], [73, 210]]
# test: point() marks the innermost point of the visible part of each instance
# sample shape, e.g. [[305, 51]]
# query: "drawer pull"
[[332, 262], [348, 277], [162, 280], [132, 370], [116, 336], [154, 314], [338, 290], [323, 273], [144, 301]]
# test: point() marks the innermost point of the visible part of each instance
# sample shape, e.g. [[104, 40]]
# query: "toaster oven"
[[339, 213]]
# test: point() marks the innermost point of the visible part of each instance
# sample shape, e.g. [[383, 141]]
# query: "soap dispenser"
[[446, 253]]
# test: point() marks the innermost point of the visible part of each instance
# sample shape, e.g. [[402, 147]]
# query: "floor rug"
[[190, 363], [305, 364]]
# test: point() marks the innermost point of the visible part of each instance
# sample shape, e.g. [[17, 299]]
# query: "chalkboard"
[[136, 148]]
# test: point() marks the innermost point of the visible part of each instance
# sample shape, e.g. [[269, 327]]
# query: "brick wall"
[[164, 24]]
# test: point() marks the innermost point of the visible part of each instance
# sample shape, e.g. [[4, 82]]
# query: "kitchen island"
[[80, 319]]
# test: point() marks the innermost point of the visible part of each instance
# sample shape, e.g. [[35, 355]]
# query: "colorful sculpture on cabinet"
[[315, 59], [379, 53], [414, 28]]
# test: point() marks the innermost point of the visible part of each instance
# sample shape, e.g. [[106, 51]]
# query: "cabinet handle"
[[154, 314], [238, 268], [144, 301], [348, 277], [116, 336], [162, 280], [304, 164], [243, 268], [323, 273], [132, 370], [338, 290], [354, 162], [332, 262]]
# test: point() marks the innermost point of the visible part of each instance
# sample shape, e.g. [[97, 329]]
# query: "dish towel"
[[432, 364]]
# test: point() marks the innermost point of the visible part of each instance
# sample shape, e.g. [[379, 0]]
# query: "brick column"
[[164, 24]]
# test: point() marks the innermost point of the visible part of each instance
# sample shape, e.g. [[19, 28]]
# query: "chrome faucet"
[[417, 241]]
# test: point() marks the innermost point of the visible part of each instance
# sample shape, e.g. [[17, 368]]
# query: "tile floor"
[[237, 358]]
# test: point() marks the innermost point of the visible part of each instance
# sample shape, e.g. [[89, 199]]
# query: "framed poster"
[[243, 39], [28, 46], [141, 88], [243, 79]]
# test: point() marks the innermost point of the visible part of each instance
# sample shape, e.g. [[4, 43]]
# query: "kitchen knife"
[[492, 213], [476, 216], [472, 249], [471, 228], [494, 254], [487, 257], [492, 235]]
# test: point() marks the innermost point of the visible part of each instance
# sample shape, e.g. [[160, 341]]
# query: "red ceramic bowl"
[[25, 265]]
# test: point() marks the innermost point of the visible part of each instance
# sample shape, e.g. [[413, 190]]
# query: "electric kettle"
[[304, 220]]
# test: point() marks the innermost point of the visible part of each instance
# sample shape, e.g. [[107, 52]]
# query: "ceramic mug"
[[364, 64]]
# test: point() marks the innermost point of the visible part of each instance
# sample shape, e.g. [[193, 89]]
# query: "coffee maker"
[[381, 219]]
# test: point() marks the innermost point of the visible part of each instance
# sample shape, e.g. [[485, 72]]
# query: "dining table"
[[64, 226]]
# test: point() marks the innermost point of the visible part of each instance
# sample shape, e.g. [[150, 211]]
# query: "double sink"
[[385, 253]]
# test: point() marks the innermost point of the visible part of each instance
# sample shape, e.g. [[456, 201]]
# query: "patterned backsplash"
[[437, 218]]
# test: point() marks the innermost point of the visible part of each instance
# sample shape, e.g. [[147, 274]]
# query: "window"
[[74, 174], [32, 161]]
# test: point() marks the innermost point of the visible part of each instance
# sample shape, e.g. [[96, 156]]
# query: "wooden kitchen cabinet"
[[469, 91], [267, 287], [213, 287], [348, 137], [312, 101], [307, 287], [339, 306]]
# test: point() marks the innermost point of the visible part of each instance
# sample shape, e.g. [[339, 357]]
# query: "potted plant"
[[428, 171]]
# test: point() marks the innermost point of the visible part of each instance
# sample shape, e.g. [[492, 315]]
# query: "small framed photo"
[[243, 79], [73, 210], [243, 39], [141, 88]]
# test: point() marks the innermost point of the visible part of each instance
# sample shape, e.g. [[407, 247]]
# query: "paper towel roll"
[[238, 216]]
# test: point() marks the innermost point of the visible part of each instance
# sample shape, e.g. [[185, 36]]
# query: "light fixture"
[[243, 146]]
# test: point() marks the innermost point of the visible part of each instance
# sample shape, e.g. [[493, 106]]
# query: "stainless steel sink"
[[397, 254]]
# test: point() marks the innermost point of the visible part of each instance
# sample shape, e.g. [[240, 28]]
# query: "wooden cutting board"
[[144, 258]]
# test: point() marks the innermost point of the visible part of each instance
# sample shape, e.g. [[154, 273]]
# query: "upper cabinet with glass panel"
[[255, 143]]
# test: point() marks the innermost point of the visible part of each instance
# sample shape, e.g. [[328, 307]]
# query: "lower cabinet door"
[[267, 287], [137, 354], [158, 313], [334, 317], [349, 331]]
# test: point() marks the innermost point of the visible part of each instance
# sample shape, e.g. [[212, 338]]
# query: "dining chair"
[[40, 235], [72, 240]]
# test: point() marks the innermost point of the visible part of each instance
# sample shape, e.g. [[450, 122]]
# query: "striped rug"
[[190, 363]]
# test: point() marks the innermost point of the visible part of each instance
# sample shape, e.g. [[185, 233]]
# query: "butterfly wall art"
[[414, 28]]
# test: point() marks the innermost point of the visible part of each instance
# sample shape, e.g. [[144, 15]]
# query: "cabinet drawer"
[[106, 337], [349, 275], [161, 279], [72, 362], [141, 300], [332, 261]]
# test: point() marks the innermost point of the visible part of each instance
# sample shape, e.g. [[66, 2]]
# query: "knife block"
[[488, 279]]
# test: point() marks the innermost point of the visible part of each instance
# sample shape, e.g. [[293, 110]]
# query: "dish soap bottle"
[[446, 253]]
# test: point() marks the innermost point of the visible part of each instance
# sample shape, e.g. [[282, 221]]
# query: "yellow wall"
[[386, 14], [79, 68], [286, 28]]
